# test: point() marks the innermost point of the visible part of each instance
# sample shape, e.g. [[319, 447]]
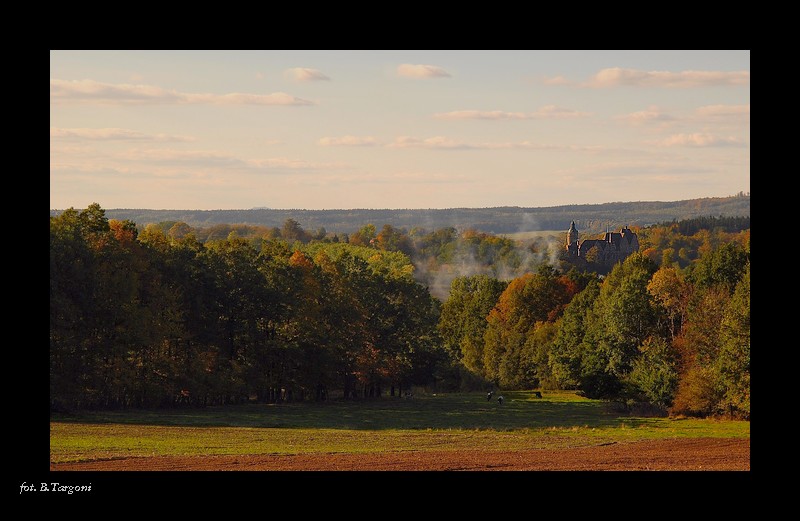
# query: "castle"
[[612, 248]]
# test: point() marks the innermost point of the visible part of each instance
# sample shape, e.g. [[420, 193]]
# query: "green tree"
[[566, 356], [622, 317], [655, 372], [463, 318], [722, 266], [526, 365], [71, 280], [292, 231], [734, 356]]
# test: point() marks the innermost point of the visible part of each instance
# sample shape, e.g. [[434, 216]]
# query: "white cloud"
[[216, 159], [421, 71], [351, 141], [545, 112], [724, 111], [112, 134], [480, 114], [306, 74], [88, 91], [651, 114], [598, 173], [404, 178], [700, 140], [172, 162], [292, 164], [617, 76], [556, 80], [437, 142], [166, 157], [445, 143], [554, 112]]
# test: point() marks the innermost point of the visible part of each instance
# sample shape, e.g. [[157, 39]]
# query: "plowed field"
[[669, 454]]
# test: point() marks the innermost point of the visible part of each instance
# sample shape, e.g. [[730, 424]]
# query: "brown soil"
[[675, 454]]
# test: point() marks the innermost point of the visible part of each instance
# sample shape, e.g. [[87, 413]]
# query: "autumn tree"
[[531, 298], [364, 237], [392, 239], [698, 347], [669, 288], [179, 230]]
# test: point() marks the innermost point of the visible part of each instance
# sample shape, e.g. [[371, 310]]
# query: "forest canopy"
[[168, 314]]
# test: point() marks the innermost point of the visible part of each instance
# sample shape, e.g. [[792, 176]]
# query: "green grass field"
[[428, 422]]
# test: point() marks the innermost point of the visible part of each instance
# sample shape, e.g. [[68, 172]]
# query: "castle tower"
[[572, 238]]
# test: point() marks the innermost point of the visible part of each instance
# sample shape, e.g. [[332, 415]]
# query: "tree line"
[[676, 339], [143, 319], [152, 316], [496, 220]]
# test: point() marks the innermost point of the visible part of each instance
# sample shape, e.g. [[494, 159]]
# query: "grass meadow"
[[459, 421]]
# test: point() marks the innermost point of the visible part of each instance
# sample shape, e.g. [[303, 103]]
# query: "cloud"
[[212, 159], [421, 71], [112, 134], [651, 114], [350, 141], [545, 112], [292, 164], [445, 143], [724, 111], [166, 157], [629, 171], [404, 177], [305, 74], [555, 80], [616, 77], [437, 142], [90, 91], [554, 112], [166, 161], [700, 140]]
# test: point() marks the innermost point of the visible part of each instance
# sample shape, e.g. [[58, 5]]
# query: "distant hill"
[[499, 220]]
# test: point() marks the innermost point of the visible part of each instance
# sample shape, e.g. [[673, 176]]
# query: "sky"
[[206, 130]]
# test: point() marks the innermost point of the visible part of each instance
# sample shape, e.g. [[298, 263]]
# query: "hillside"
[[499, 220]]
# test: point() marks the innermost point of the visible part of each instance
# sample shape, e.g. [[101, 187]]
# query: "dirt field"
[[674, 454]]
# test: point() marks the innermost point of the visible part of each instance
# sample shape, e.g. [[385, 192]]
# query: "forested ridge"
[[158, 315], [499, 220]]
